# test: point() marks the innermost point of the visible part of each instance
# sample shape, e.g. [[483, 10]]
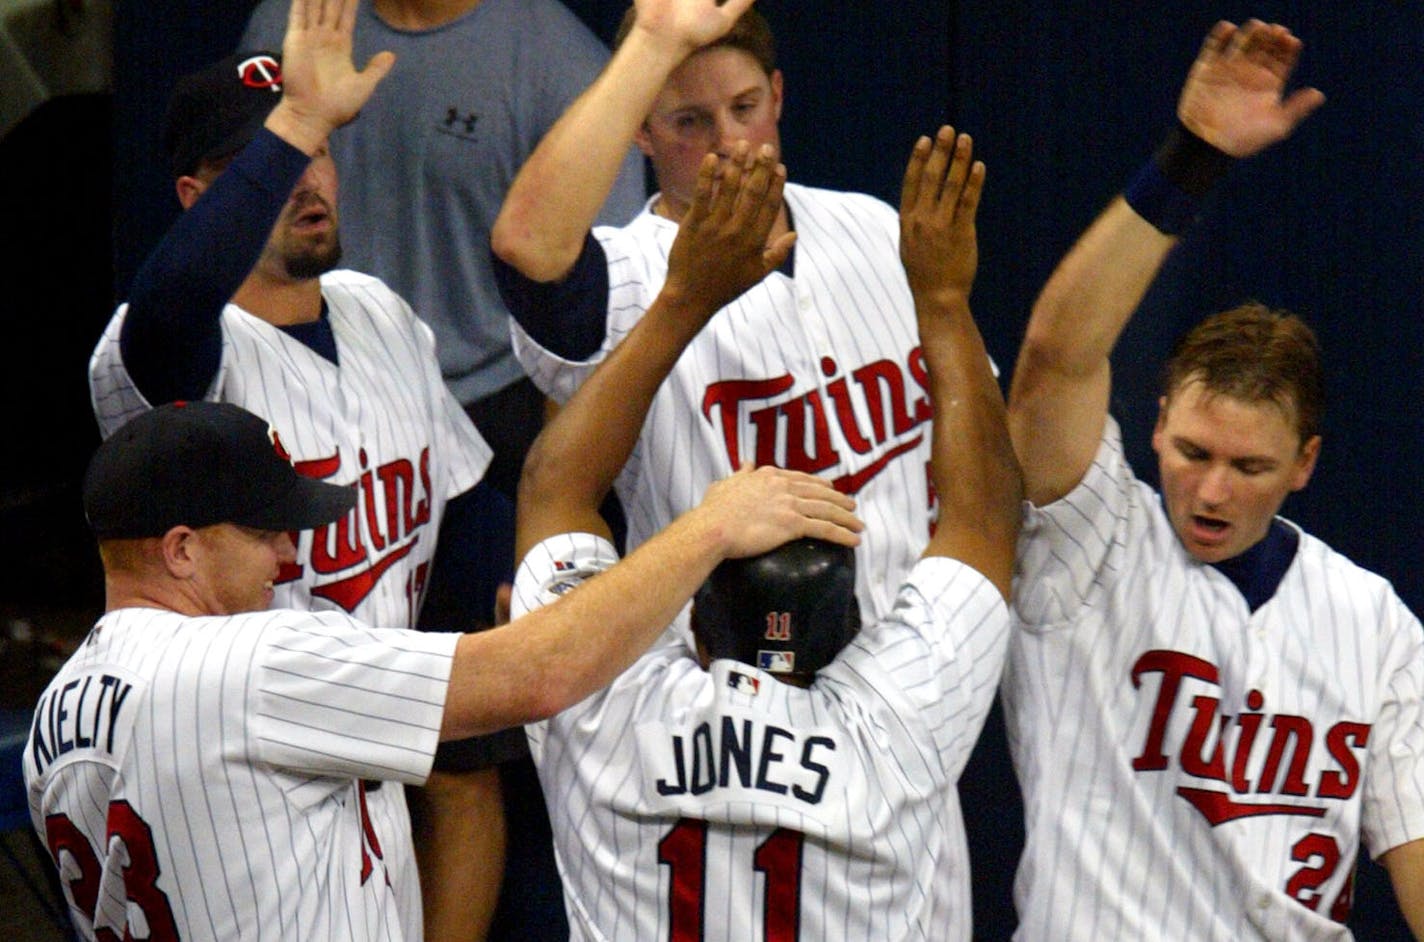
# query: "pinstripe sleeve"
[[1066, 550], [637, 265], [334, 697], [1394, 783], [557, 565], [465, 452], [964, 621], [111, 392]]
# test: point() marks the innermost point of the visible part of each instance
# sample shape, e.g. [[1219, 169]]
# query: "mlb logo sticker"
[[743, 683], [562, 586], [777, 662], [550, 591], [563, 565]]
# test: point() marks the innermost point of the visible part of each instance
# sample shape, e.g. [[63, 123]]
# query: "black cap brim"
[[308, 504]]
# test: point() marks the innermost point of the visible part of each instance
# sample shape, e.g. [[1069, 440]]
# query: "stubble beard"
[[313, 260]]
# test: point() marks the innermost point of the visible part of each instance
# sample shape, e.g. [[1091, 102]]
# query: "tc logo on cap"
[[260, 72]]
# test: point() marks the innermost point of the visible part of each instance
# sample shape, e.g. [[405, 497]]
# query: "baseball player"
[[200, 768], [1208, 707], [477, 83], [794, 778], [816, 368], [242, 302]]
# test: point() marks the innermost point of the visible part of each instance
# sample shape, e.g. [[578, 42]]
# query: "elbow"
[[509, 240], [517, 242], [1041, 363], [539, 478]]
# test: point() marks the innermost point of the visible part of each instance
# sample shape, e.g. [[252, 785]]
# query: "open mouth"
[[310, 212], [315, 216], [1208, 529]]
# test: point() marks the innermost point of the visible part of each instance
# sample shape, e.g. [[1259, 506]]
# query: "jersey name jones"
[[739, 753]]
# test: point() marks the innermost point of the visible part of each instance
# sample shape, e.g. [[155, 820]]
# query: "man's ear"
[[1305, 463], [178, 546], [643, 140], [189, 189], [1157, 442]]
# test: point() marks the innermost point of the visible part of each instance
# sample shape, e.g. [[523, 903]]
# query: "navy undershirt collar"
[[1257, 572], [317, 335]]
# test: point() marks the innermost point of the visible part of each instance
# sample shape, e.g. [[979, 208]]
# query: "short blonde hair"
[[1254, 354]]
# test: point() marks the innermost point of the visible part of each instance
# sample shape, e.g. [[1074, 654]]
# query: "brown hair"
[[751, 34], [1254, 354]]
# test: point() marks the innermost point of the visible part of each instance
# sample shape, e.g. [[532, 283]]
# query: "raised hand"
[[690, 24], [1234, 97], [721, 248], [938, 202], [321, 87], [754, 511]]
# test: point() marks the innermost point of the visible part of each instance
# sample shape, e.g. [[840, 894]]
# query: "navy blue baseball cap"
[[788, 611], [197, 464], [216, 111]]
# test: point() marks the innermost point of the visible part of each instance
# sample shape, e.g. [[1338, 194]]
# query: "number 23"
[[140, 873]]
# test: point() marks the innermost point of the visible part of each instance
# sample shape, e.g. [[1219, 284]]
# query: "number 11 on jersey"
[[778, 859]]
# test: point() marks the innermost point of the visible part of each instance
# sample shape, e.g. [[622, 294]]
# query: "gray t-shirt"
[[425, 168]]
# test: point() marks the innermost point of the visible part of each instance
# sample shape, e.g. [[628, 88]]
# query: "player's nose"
[[728, 132], [309, 182], [1215, 487]]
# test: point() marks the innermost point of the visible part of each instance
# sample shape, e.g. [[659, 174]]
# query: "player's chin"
[[315, 259]]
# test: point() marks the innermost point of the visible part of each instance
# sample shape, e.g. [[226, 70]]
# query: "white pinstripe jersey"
[[725, 805], [820, 373], [197, 778], [383, 420], [1192, 770]]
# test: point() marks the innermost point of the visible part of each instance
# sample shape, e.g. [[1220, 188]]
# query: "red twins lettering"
[[795, 432], [1209, 751], [384, 526]]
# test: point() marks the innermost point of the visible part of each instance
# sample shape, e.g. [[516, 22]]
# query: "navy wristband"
[[1169, 189], [1169, 208]]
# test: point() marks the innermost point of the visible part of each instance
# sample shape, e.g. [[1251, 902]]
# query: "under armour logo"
[[453, 117], [260, 71]]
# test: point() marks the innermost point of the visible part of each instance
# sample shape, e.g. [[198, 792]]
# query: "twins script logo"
[[795, 432], [1238, 753], [393, 504]]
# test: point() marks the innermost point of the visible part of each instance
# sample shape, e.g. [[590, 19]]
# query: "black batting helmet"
[[789, 611]]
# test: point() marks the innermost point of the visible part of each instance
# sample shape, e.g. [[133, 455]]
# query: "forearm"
[[557, 194], [556, 656], [578, 455], [973, 468], [1405, 864], [1059, 394], [172, 338]]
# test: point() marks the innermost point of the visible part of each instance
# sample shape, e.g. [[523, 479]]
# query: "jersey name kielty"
[[1220, 749], [85, 713], [739, 753], [780, 427]]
